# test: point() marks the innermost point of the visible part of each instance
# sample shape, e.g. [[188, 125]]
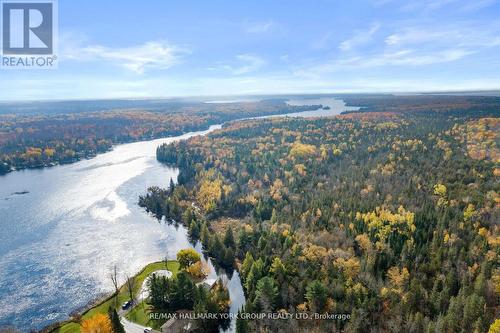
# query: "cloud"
[[244, 64], [414, 58], [435, 4], [429, 6], [477, 5], [413, 36], [148, 56], [259, 27], [105, 87], [460, 5], [463, 35], [360, 38], [380, 3], [409, 47], [323, 42], [405, 57]]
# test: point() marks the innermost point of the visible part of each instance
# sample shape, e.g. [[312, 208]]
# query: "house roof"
[[209, 282], [171, 321]]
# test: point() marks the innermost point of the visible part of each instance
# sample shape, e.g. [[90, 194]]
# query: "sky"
[[158, 48]]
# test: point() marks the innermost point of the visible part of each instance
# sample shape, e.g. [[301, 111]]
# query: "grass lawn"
[[69, 328], [123, 296], [140, 315]]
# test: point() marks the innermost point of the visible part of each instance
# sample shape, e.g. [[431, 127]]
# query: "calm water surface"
[[59, 240], [336, 107], [63, 228]]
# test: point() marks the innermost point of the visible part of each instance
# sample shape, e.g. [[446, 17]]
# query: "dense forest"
[[389, 217], [31, 140]]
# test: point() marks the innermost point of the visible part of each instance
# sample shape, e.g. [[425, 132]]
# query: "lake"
[[64, 227], [336, 106]]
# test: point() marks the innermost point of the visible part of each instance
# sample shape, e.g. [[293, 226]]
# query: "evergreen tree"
[[116, 324], [316, 296], [266, 295], [229, 238], [194, 229], [247, 265], [228, 258], [205, 235], [242, 324], [171, 186]]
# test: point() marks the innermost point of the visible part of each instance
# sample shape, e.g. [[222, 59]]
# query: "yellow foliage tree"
[[300, 149], [49, 152], [382, 222], [209, 194], [398, 278], [99, 323], [440, 190], [276, 189], [349, 267], [301, 169], [495, 327], [469, 213], [188, 257], [198, 269], [364, 242], [314, 253], [324, 152]]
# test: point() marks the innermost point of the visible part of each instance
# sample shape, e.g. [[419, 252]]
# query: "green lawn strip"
[[123, 296], [68, 328], [140, 315]]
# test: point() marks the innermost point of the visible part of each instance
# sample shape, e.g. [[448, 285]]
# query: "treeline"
[[462, 105], [391, 218], [43, 154], [39, 140]]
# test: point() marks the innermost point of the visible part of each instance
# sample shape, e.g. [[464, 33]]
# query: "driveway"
[[129, 326]]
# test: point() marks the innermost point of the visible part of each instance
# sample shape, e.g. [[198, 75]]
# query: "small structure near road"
[[207, 283], [180, 323]]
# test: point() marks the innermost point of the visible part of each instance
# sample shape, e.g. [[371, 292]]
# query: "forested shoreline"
[[42, 140], [391, 217]]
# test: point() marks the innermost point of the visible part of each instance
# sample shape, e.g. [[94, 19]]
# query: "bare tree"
[[114, 279], [130, 286]]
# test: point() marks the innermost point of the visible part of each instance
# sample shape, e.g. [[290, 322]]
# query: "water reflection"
[[59, 241]]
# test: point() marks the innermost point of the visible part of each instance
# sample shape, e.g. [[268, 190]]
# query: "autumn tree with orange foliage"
[[99, 323]]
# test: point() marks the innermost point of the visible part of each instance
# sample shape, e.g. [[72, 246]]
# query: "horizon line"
[[271, 94]]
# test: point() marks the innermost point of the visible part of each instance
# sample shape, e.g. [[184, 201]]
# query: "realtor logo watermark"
[[28, 34]]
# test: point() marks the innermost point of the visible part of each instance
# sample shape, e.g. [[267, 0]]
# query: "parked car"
[[148, 330], [126, 305]]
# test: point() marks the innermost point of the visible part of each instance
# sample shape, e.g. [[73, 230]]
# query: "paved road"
[[131, 327]]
